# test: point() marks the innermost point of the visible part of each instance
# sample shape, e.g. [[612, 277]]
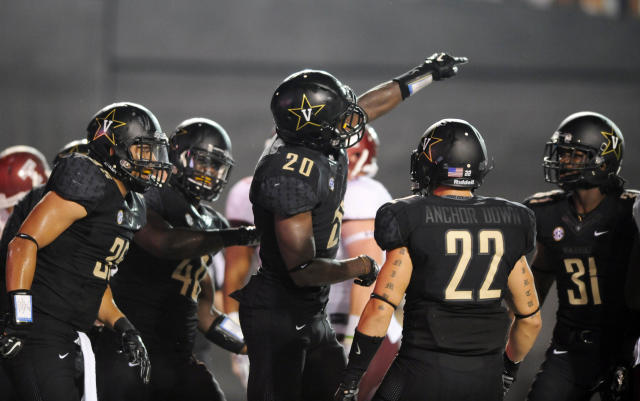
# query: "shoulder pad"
[[81, 179], [545, 197], [390, 226]]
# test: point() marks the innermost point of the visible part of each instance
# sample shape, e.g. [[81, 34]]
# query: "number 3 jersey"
[[588, 255], [290, 180], [160, 296], [462, 251], [73, 271]]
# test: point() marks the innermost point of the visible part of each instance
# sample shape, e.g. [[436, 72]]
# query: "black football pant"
[[174, 376], [45, 369], [568, 373], [418, 374], [293, 356]]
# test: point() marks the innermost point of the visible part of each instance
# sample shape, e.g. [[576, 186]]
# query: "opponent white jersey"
[[363, 197], [238, 206], [4, 216]]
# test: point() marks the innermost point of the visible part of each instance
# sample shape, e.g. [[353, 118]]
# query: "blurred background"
[[532, 63]]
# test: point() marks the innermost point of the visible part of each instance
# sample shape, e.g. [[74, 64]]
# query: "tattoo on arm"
[[389, 286]]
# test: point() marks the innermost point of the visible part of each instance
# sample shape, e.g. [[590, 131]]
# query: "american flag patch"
[[454, 172]]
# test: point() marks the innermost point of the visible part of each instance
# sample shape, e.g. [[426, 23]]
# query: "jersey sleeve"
[[79, 179], [389, 233], [285, 191], [530, 230], [238, 206]]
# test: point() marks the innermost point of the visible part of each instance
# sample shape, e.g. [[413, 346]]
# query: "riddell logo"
[[464, 182]]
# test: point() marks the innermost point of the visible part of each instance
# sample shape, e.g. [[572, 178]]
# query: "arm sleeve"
[[80, 180], [389, 233]]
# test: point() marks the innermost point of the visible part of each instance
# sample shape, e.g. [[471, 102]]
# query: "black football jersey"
[[462, 251], [160, 295], [588, 255], [290, 180], [73, 271]]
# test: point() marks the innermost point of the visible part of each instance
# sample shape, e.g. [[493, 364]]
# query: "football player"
[[21, 168], [457, 256], [58, 264], [363, 197], [585, 234], [297, 195], [18, 214], [166, 295]]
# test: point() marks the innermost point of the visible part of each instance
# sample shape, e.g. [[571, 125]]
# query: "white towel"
[[90, 391]]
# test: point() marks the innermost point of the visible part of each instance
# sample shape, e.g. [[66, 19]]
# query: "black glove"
[[134, 348], [437, 67], [347, 392], [369, 278], [16, 324], [509, 373], [243, 235], [443, 65], [615, 388]]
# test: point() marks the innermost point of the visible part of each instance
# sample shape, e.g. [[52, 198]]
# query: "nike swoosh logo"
[[357, 349], [62, 356], [300, 327], [599, 233], [559, 352]]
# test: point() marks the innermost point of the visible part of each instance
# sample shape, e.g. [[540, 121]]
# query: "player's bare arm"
[[216, 326], [384, 97], [365, 246], [162, 240], [50, 217], [297, 247], [237, 261], [524, 304], [390, 287]]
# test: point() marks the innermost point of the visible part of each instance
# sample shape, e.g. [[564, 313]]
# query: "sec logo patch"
[[120, 216], [558, 233]]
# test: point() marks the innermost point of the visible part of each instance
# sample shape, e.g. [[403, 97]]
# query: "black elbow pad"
[[226, 333]]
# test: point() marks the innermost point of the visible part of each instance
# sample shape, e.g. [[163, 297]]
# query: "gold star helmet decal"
[[613, 144], [306, 111], [432, 140], [106, 125]]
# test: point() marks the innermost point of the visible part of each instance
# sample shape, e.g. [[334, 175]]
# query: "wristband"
[[122, 325], [21, 307], [226, 333], [414, 80]]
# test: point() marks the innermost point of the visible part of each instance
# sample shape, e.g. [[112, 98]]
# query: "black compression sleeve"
[[363, 349]]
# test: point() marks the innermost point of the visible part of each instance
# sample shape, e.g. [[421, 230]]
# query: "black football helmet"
[[312, 108], [451, 152], [75, 146], [127, 139], [585, 152], [200, 149]]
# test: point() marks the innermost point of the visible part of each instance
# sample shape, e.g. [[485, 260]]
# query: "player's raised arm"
[[383, 98]]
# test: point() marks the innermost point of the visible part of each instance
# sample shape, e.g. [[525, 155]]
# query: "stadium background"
[[530, 67]]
